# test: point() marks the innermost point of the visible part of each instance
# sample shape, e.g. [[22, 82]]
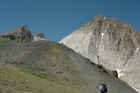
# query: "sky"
[[58, 18]]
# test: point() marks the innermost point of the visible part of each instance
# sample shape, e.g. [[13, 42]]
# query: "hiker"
[[103, 88]]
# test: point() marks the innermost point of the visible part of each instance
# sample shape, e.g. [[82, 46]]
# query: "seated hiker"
[[103, 88]]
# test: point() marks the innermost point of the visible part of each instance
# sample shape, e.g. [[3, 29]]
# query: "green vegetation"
[[16, 80], [7, 40]]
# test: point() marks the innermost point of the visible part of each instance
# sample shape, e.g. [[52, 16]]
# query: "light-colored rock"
[[39, 37], [131, 71], [109, 42]]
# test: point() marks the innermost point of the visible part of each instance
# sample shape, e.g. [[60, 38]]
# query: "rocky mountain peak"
[[109, 42], [24, 28], [20, 34], [98, 20], [103, 33]]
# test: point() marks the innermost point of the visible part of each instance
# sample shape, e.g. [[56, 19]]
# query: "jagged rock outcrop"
[[39, 37], [109, 42], [20, 34]]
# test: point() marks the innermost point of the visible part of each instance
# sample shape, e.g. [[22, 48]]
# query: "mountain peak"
[[97, 21], [109, 42]]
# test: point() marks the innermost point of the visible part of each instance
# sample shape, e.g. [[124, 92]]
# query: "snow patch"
[[137, 49], [104, 17], [135, 89], [102, 34], [119, 73]]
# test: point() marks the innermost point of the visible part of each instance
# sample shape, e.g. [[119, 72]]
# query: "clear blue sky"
[[58, 18]]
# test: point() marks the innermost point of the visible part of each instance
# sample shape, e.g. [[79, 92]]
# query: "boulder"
[[115, 73]]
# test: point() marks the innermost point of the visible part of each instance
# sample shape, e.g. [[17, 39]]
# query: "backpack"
[[104, 88]]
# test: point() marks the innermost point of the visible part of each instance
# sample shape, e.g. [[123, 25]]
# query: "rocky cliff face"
[[20, 34], [109, 42]]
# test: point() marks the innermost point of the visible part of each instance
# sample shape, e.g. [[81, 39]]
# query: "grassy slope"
[[15, 80]]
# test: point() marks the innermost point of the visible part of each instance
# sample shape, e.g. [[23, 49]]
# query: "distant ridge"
[[22, 34]]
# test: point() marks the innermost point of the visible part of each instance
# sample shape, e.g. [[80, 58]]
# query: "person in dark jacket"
[[103, 88]]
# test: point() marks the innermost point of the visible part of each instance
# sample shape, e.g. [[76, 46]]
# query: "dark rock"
[[20, 34], [115, 73]]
